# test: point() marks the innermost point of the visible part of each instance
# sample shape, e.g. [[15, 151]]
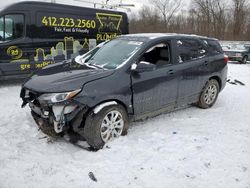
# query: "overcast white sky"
[[137, 3]]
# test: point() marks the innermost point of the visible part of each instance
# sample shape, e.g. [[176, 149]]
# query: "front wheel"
[[108, 124], [209, 95]]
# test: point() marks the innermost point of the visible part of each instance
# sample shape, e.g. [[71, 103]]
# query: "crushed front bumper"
[[55, 119]]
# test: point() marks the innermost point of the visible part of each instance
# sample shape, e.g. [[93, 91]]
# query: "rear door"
[[155, 90], [193, 62]]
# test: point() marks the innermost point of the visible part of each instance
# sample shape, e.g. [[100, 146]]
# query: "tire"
[[209, 94], [244, 60], [96, 125]]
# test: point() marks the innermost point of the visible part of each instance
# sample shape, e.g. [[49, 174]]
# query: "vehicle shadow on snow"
[[4, 83], [238, 63], [140, 123], [150, 125]]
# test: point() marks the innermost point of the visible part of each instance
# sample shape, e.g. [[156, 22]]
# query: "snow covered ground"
[[187, 148]]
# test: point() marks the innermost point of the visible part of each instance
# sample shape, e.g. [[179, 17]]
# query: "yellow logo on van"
[[14, 52], [110, 23], [109, 26]]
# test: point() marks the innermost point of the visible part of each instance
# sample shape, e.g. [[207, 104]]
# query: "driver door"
[[156, 90]]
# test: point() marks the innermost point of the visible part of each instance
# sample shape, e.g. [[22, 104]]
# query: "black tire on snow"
[[244, 60], [92, 128], [202, 103]]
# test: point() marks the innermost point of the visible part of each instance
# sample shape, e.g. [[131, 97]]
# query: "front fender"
[[112, 88]]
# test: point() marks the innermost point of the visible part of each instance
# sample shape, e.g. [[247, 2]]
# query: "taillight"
[[226, 59]]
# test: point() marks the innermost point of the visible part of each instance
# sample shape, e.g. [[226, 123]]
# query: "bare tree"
[[191, 25], [203, 16], [146, 20], [218, 14], [211, 17], [247, 34], [240, 9], [167, 8], [226, 20]]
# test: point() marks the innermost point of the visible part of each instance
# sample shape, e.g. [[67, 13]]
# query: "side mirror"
[[143, 66]]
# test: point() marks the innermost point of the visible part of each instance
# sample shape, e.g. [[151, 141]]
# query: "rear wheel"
[[209, 94], [244, 60], [108, 124]]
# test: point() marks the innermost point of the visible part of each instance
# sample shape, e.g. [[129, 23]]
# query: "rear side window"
[[214, 47], [11, 27], [190, 49]]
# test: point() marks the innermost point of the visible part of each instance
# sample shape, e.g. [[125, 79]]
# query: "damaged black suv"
[[133, 77]]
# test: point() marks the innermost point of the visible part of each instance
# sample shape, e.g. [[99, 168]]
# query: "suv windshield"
[[11, 27], [113, 54]]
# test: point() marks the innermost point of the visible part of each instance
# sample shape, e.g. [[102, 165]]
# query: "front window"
[[113, 54], [158, 55], [11, 27]]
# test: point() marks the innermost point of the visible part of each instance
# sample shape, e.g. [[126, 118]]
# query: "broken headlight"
[[57, 97]]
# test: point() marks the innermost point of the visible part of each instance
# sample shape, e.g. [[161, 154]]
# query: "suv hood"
[[64, 77]]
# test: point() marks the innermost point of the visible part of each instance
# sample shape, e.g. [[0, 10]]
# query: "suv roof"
[[149, 36]]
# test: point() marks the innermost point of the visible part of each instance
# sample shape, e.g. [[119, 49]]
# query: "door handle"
[[171, 72]]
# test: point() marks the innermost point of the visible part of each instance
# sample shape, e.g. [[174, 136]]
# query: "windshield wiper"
[[97, 66], [94, 66]]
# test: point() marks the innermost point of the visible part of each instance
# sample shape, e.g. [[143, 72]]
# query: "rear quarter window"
[[190, 50], [214, 47]]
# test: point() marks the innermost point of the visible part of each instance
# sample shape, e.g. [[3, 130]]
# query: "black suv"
[[133, 77]]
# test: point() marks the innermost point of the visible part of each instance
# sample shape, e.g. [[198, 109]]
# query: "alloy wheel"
[[112, 126], [210, 94]]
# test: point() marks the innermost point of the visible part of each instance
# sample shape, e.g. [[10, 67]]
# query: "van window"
[[189, 49], [11, 27], [1, 29]]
